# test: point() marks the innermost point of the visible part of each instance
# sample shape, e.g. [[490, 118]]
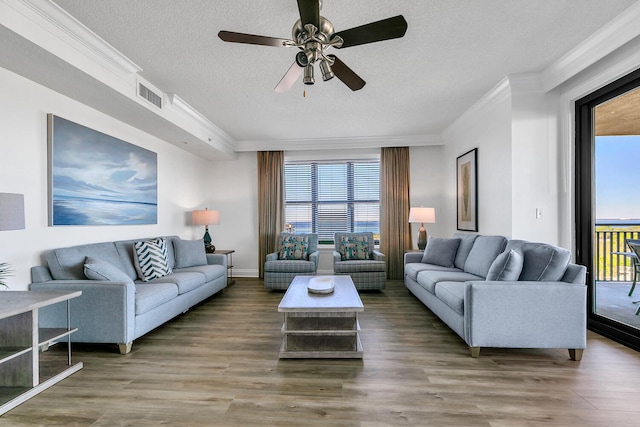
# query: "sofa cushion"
[[466, 243], [68, 263], [484, 251], [507, 266], [441, 251], [185, 280], [294, 247], [97, 269], [543, 262], [412, 269], [358, 266], [189, 253], [354, 248], [210, 271], [151, 259], [452, 294], [286, 266], [430, 279], [151, 295]]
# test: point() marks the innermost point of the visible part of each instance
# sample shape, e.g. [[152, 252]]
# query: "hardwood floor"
[[218, 365]]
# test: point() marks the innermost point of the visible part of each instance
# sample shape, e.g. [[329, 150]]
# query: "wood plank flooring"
[[218, 364]]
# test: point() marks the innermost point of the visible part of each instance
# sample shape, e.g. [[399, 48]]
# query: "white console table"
[[23, 372]]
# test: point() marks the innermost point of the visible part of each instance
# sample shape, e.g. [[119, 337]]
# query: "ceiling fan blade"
[[230, 36], [309, 12], [346, 74], [289, 78], [390, 28]]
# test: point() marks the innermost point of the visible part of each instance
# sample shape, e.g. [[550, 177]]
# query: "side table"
[[229, 254], [23, 372]]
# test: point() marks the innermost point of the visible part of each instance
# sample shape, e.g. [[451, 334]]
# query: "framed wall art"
[[96, 179], [467, 190]]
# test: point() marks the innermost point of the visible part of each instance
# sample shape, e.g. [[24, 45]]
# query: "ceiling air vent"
[[146, 93]]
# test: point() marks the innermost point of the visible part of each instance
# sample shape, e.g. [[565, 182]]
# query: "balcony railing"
[[610, 238]]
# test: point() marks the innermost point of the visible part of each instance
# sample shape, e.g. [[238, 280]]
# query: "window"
[[328, 197]]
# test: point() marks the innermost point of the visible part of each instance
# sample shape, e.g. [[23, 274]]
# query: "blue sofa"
[[495, 292], [115, 305]]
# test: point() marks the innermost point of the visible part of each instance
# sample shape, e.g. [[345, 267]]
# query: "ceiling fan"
[[313, 35]]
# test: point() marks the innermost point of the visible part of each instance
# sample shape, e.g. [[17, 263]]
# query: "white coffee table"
[[321, 325]]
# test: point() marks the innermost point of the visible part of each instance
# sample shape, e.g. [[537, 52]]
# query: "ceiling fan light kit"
[[313, 35]]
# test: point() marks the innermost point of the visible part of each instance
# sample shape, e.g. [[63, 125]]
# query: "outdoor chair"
[[634, 245]]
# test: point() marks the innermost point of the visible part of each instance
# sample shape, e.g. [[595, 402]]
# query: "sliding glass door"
[[608, 205]]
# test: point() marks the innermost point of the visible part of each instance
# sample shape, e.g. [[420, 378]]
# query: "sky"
[[90, 164], [617, 177]]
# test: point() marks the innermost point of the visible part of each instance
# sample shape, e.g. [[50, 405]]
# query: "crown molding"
[[612, 36], [55, 24], [216, 137], [341, 143], [525, 83], [496, 96]]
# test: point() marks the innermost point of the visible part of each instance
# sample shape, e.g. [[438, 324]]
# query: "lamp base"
[[422, 238], [208, 246]]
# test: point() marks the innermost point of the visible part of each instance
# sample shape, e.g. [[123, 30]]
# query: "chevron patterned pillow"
[[151, 259]]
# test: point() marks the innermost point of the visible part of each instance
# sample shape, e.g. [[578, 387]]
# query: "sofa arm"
[[314, 256], [104, 313], [336, 256], [273, 256], [525, 314], [217, 259], [376, 255], [413, 257]]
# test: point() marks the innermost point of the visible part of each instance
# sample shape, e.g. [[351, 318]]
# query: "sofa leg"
[[475, 351], [576, 354], [125, 348]]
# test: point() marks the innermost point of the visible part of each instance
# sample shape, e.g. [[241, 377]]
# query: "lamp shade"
[[422, 215], [205, 217], [11, 211]]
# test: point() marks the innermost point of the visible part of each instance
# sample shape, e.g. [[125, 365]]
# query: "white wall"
[[534, 156], [486, 126], [23, 169], [232, 187], [427, 188]]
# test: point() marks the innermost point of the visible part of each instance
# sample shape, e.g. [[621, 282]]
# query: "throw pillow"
[[354, 248], [507, 266], [189, 253], [543, 262], [440, 251], [151, 259], [97, 269], [294, 247]]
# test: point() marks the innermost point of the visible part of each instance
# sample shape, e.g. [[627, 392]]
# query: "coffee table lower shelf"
[[304, 336], [321, 354]]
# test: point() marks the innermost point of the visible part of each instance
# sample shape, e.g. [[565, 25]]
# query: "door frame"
[[584, 203]]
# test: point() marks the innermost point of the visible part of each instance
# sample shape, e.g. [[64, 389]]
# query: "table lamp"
[[206, 217], [422, 215]]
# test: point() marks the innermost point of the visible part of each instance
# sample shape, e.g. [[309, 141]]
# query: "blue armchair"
[[354, 255], [297, 255]]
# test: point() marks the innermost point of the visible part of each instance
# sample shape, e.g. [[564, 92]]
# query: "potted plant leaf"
[[5, 271]]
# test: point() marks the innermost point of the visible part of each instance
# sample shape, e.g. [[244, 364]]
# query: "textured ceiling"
[[454, 51]]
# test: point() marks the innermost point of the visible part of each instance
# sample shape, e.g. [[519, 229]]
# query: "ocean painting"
[[96, 179]]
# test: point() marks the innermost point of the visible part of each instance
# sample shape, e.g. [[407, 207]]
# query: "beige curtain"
[[395, 231], [270, 203]]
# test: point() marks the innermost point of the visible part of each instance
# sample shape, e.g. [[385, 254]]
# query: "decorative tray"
[[321, 285]]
